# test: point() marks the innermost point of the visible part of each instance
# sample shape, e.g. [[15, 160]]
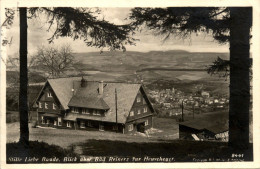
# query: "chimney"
[[83, 82], [100, 87], [73, 91]]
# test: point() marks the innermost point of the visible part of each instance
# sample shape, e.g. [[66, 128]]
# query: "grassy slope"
[[181, 150], [95, 143], [65, 137]]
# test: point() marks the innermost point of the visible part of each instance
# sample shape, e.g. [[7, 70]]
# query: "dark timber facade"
[[74, 103]]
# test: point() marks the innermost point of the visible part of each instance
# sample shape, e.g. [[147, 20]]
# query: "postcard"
[[129, 84]]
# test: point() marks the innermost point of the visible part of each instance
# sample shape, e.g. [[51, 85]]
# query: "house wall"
[[49, 100], [95, 125], [139, 114], [222, 136], [39, 121], [138, 108], [135, 122]]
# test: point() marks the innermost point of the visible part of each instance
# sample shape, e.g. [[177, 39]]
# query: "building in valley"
[[202, 130], [74, 103]]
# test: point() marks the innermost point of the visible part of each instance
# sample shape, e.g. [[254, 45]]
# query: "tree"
[[23, 106], [13, 79], [226, 25], [55, 60], [77, 23]]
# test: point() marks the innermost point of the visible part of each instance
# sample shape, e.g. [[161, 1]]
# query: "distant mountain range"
[[136, 61]]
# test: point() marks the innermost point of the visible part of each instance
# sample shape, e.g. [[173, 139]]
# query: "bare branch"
[[55, 60]]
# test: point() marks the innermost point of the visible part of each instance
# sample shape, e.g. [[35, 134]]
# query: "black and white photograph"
[[129, 84]]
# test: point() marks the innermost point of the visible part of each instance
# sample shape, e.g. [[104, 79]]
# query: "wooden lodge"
[[74, 103]]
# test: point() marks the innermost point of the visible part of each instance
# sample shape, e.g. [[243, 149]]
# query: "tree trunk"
[[241, 20], [23, 107]]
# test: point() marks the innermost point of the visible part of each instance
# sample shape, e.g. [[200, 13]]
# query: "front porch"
[[49, 120]]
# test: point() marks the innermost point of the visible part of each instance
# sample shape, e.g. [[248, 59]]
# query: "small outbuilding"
[[200, 130]]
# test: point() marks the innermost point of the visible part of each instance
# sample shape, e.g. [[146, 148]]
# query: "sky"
[[37, 36]]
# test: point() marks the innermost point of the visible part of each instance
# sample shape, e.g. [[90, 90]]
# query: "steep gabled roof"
[[126, 94], [211, 122], [62, 87], [89, 97], [89, 102], [216, 129]]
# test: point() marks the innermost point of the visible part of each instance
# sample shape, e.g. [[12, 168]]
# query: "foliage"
[[79, 23], [83, 23], [9, 14], [182, 21], [220, 67]]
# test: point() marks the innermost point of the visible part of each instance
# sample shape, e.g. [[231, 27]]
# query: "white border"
[[144, 3]]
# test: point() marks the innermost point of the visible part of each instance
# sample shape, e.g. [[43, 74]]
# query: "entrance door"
[[101, 127], [140, 127]]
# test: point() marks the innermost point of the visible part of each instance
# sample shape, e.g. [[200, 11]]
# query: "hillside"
[[130, 60]]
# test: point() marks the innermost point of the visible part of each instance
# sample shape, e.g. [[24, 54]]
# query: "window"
[[43, 121], [144, 102], [59, 121], [40, 105], [48, 121], [55, 123], [94, 112], [46, 106], [49, 94], [98, 113], [146, 123], [68, 124], [139, 111], [53, 106], [82, 124], [85, 111], [130, 127], [138, 99], [89, 124], [74, 110], [145, 109], [132, 113], [101, 127]]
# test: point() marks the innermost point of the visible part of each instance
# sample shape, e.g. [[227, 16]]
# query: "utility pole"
[[193, 110], [182, 118], [116, 109]]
